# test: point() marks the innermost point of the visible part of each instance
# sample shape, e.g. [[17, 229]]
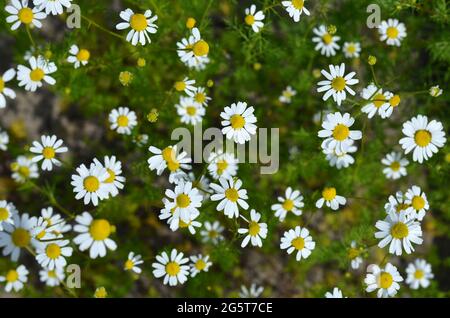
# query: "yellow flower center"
[[168, 155], [341, 132], [125, 78], [138, 22], [183, 200], [392, 32], [288, 204], [237, 122], [422, 138], [122, 121], [183, 224], [190, 23], [253, 228], [12, 276], [191, 110], [222, 165], [298, 4], [53, 251], [395, 100], [180, 86], [112, 176], [100, 229], [83, 55], [353, 253], [200, 98], [200, 48], [232, 194], [418, 203], [249, 19], [386, 280], [91, 184], [26, 15], [419, 274], [20, 237], [327, 38], [401, 207], [172, 269], [24, 171], [395, 166], [4, 214], [298, 243], [338, 83], [2, 84], [48, 153], [100, 293], [329, 194], [51, 274], [37, 75], [41, 235], [379, 100], [129, 264], [351, 49], [213, 234], [399, 230], [200, 264]]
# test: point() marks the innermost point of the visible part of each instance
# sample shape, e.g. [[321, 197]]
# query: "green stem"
[[30, 36], [101, 28]]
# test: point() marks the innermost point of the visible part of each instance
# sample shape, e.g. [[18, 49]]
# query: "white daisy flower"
[[170, 159], [174, 221], [5, 91], [193, 51], [392, 31], [254, 18], [340, 159], [90, 183], [399, 231], [199, 263], [286, 95], [222, 165], [52, 277], [53, 254], [331, 199], [230, 195], [253, 292], [434, 91], [132, 263], [4, 140], [417, 203], [291, 202], [396, 204], [238, 122], [184, 200], [55, 224], [353, 254], [78, 56], [114, 181], [20, 13], [385, 280], [23, 169], [47, 150], [351, 49], [337, 133], [187, 86], [326, 43], [212, 232], [190, 111], [337, 83], [54, 7], [201, 97], [123, 120], [39, 71], [419, 274], [7, 211], [295, 8], [299, 240], [396, 165], [94, 235], [255, 231], [140, 140], [335, 293], [423, 137], [172, 268], [15, 278], [17, 235], [378, 101], [191, 225], [141, 25]]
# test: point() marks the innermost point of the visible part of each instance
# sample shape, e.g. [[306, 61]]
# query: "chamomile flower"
[[337, 83], [287, 94], [254, 18], [6, 91], [190, 111], [15, 278], [132, 262], [140, 140], [253, 291], [199, 263], [55, 224], [169, 158], [17, 235], [123, 120], [52, 277], [54, 7], [4, 140], [201, 97], [330, 198], [417, 203], [423, 137], [399, 231], [291, 202], [222, 165], [184, 200], [39, 70], [78, 56], [53, 254], [193, 51], [434, 91], [419, 274], [255, 231], [115, 181], [174, 220], [7, 211], [335, 293], [326, 43], [351, 49], [392, 31], [238, 122], [396, 165], [386, 280], [24, 169], [230, 195], [172, 267], [141, 25], [298, 240], [212, 232], [21, 13], [397, 204], [295, 8], [337, 133], [187, 86], [354, 254], [378, 102], [340, 159], [94, 235], [47, 150], [89, 184]]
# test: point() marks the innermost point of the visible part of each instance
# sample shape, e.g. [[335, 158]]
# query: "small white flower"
[[340, 159], [417, 203], [199, 263], [396, 165], [336, 293], [295, 8], [222, 165], [190, 111], [230, 195], [140, 140], [7, 211], [90, 183], [253, 292], [392, 31], [331, 199], [337, 83], [123, 120], [132, 263], [172, 268], [114, 181], [23, 169], [238, 122], [78, 56], [351, 49], [193, 51], [187, 86], [21, 13], [326, 43], [419, 274], [53, 254], [55, 225], [212, 232], [397, 204], [53, 277], [286, 96], [378, 102], [255, 231], [47, 150], [299, 240], [291, 202], [353, 254], [183, 202], [141, 25], [385, 280], [6, 91], [4, 140], [54, 7], [435, 91], [168, 158], [201, 97], [254, 18], [39, 70], [15, 278]]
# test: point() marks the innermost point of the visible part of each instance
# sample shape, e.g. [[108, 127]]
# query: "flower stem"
[[101, 28]]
